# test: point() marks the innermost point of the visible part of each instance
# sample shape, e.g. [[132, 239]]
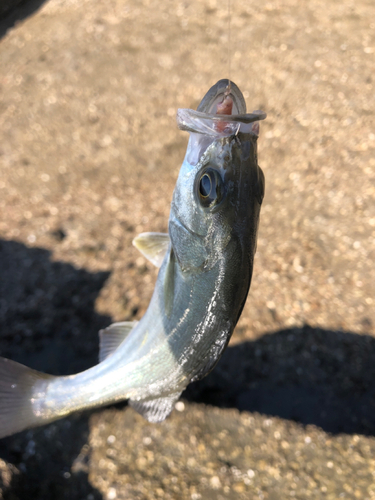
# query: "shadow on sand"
[[48, 322], [309, 375], [14, 11]]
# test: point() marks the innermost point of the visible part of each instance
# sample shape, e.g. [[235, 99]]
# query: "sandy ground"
[[89, 154]]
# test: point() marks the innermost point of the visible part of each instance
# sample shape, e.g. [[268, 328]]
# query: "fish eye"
[[210, 188], [205, 186]]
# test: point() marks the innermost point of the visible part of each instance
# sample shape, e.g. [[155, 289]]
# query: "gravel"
[[89, 156]]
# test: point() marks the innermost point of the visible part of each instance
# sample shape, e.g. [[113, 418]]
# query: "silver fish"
[[206, 263]]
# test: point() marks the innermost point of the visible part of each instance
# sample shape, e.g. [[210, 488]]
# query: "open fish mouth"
[[208, 120]]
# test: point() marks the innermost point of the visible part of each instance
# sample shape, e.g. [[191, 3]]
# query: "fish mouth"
[[206, 120], [217, 94]]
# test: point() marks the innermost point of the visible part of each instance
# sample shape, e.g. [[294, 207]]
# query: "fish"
[[205, 266]]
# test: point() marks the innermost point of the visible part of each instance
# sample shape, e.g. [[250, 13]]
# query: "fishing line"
[[228, 89]]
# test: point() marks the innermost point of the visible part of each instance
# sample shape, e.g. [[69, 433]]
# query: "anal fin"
[[157, 409], [112, 336]]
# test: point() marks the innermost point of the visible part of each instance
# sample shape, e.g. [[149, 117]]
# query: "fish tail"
[[22, 393]]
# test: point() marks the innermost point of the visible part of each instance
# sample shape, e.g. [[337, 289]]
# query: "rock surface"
[[89, 155]]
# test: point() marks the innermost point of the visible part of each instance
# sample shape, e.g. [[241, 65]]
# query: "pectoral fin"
[[153, 246], [155, 410], [112, 336]]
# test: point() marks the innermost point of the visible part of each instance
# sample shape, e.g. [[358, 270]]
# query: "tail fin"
[[20, 390]]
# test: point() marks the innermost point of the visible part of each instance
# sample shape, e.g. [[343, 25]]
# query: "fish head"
[[219, 191]]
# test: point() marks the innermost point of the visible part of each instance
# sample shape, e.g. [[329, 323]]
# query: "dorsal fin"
[[112, 336], [153, 246]]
